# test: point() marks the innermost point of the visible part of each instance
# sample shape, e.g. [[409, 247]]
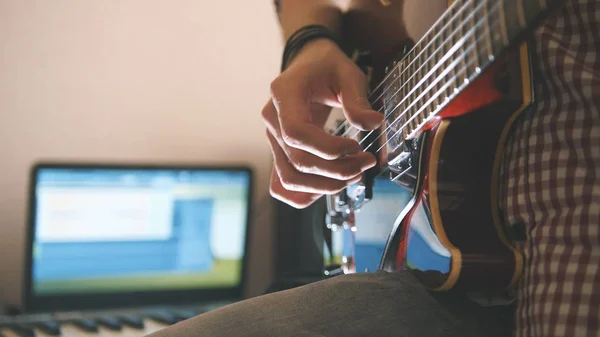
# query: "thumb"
[[353, 88]]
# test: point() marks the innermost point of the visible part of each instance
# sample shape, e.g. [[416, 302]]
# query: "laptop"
[[107, 237]]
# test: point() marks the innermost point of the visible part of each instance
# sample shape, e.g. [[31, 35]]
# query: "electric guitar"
[[449, 103]]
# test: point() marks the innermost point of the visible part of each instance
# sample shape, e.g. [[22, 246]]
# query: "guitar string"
[[435, 26], [464, 69], [414, 57], [423, 51], [432, 85], [418, 56], [425, 81], [437, 79], [429, 74]]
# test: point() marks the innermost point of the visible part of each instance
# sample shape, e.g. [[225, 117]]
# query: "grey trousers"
[[375, 304]]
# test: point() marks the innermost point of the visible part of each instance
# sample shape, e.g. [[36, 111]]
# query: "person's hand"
[[309, 162]]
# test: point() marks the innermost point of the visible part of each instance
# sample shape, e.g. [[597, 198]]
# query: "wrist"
[[311, 34], [315, 50], [294, 15]]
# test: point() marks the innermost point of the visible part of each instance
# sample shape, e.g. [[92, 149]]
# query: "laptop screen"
[[111, 230]]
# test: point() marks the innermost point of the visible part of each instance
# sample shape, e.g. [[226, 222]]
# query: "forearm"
[[368, 25], [294, 14], [364, 24]]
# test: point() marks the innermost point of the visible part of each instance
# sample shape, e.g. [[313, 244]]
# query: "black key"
[[135, 322], [184, 314], [111, 323], [85, 324], [22, 330], [51, 328], [163, 317]]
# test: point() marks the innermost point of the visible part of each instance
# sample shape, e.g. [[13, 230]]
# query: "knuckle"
[[289, 181], [266, 112], [276, 193], [273, 191], [277, 85], [301, 162], [291, 136], [337, 187], [348, 171]]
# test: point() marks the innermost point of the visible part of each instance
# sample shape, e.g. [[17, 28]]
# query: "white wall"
[[131, 80]]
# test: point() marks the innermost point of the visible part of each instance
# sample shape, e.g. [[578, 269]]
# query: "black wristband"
[[303, 36]]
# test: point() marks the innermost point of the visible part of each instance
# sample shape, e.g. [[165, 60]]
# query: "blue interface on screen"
[[109, 230], [374, 223]]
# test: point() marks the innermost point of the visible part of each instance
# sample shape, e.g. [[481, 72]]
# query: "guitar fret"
[[487, 32], [450, 74], [424, 70], [407, 102], [405, 90], [458, 32], [435, 72], [413, 80], [446, 41], [475, 49], [486, 27]]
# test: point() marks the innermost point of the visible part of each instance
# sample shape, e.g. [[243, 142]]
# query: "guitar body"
[[450, 102], [450, 235]]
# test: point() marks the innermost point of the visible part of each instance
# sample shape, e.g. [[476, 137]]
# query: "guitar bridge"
[[402, 162]]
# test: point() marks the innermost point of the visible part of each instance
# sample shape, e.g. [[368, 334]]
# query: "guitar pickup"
[[402, 166]]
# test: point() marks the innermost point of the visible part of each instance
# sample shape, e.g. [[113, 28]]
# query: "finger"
[[353, 89], [293, 180], [292, 103], [270, 118], [341, 169], [295, 199]]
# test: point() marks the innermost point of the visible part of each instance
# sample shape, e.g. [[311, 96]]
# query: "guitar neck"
[[466, 39]]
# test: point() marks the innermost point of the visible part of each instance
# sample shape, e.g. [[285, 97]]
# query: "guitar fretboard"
[[459, 46]]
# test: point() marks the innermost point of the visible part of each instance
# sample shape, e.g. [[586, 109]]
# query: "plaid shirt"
[[552, 180]]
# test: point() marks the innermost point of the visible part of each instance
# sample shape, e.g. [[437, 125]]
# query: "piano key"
[[51, 328], [151, 326], [135, 322], [184, 314], [110, 323], [163, 317], [86, 324], [70, 330]]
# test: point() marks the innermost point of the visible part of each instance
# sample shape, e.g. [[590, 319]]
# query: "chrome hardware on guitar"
[[340, 217]]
